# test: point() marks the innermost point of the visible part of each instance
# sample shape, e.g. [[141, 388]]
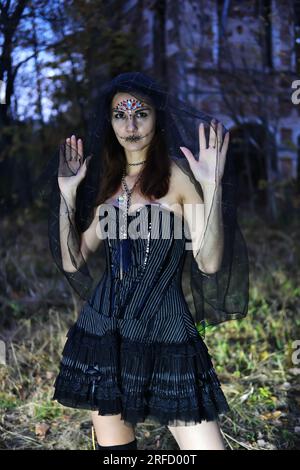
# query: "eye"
[[118, 116], [142, 114]]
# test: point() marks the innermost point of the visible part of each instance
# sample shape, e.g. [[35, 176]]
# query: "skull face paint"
[[133, 121]]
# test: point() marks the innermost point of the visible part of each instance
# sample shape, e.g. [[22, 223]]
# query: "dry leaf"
[[271, 416], [41, 430]]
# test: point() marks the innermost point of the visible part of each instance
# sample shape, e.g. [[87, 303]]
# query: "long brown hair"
[[155, 177]]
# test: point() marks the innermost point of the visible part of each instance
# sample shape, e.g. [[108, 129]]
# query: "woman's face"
[[133, 121]]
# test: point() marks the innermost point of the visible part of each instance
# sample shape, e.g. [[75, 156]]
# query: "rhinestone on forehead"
[[129, 105]]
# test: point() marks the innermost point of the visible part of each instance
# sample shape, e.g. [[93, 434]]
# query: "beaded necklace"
[[125, 243]]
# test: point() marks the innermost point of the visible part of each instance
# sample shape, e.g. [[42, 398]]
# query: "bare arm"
[[66, 217], [82, 245], [208, 169], [212, 244], [75, 247], [207, 249]]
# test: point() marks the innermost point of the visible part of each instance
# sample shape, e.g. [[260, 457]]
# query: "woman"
[[135, 353]]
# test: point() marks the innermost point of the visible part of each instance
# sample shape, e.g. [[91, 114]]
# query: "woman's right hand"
[[72, 168]]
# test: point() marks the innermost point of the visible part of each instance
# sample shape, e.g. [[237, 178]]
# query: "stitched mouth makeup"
[[132, 138], [135, 138]]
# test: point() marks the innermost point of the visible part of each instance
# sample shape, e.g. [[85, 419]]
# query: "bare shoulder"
[[186, 191]]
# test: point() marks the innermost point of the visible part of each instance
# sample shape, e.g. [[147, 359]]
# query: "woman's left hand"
[[209, 169]]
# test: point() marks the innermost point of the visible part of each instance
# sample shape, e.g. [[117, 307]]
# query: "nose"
[[131, 124]]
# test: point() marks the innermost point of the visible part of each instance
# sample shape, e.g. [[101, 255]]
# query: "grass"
[[253, 356]]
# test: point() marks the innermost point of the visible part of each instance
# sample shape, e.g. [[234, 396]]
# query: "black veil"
[[212, 298]]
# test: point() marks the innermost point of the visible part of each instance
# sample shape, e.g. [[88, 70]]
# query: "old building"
[[237, 60]]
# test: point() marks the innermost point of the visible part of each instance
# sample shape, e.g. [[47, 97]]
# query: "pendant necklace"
[[125, 242]]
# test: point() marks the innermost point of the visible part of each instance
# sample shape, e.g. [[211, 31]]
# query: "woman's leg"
[[204, 436], [111, 430]]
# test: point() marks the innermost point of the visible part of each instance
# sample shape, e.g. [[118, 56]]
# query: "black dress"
[[134, 348]]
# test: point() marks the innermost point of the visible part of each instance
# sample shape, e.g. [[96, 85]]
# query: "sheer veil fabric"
[[213, 298]]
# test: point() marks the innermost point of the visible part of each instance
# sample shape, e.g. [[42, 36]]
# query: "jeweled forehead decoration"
[[129, 105]]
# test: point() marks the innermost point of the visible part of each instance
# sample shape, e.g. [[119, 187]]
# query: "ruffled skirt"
[[168, 383]]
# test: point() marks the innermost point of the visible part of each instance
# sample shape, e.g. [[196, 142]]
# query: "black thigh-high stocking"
[[128, 446]]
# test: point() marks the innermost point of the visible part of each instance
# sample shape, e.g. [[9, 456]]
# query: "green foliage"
[[263, 398], [9, 401], [252, 356], [48, 410]]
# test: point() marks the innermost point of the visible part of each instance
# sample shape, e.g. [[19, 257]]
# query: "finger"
[[202, 139], [87, 160], [68, 149], [219, 135], [225, 144], [80, 149], [83, 168], [212, 134], [190, 157], [73, 147], [62, 148]]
